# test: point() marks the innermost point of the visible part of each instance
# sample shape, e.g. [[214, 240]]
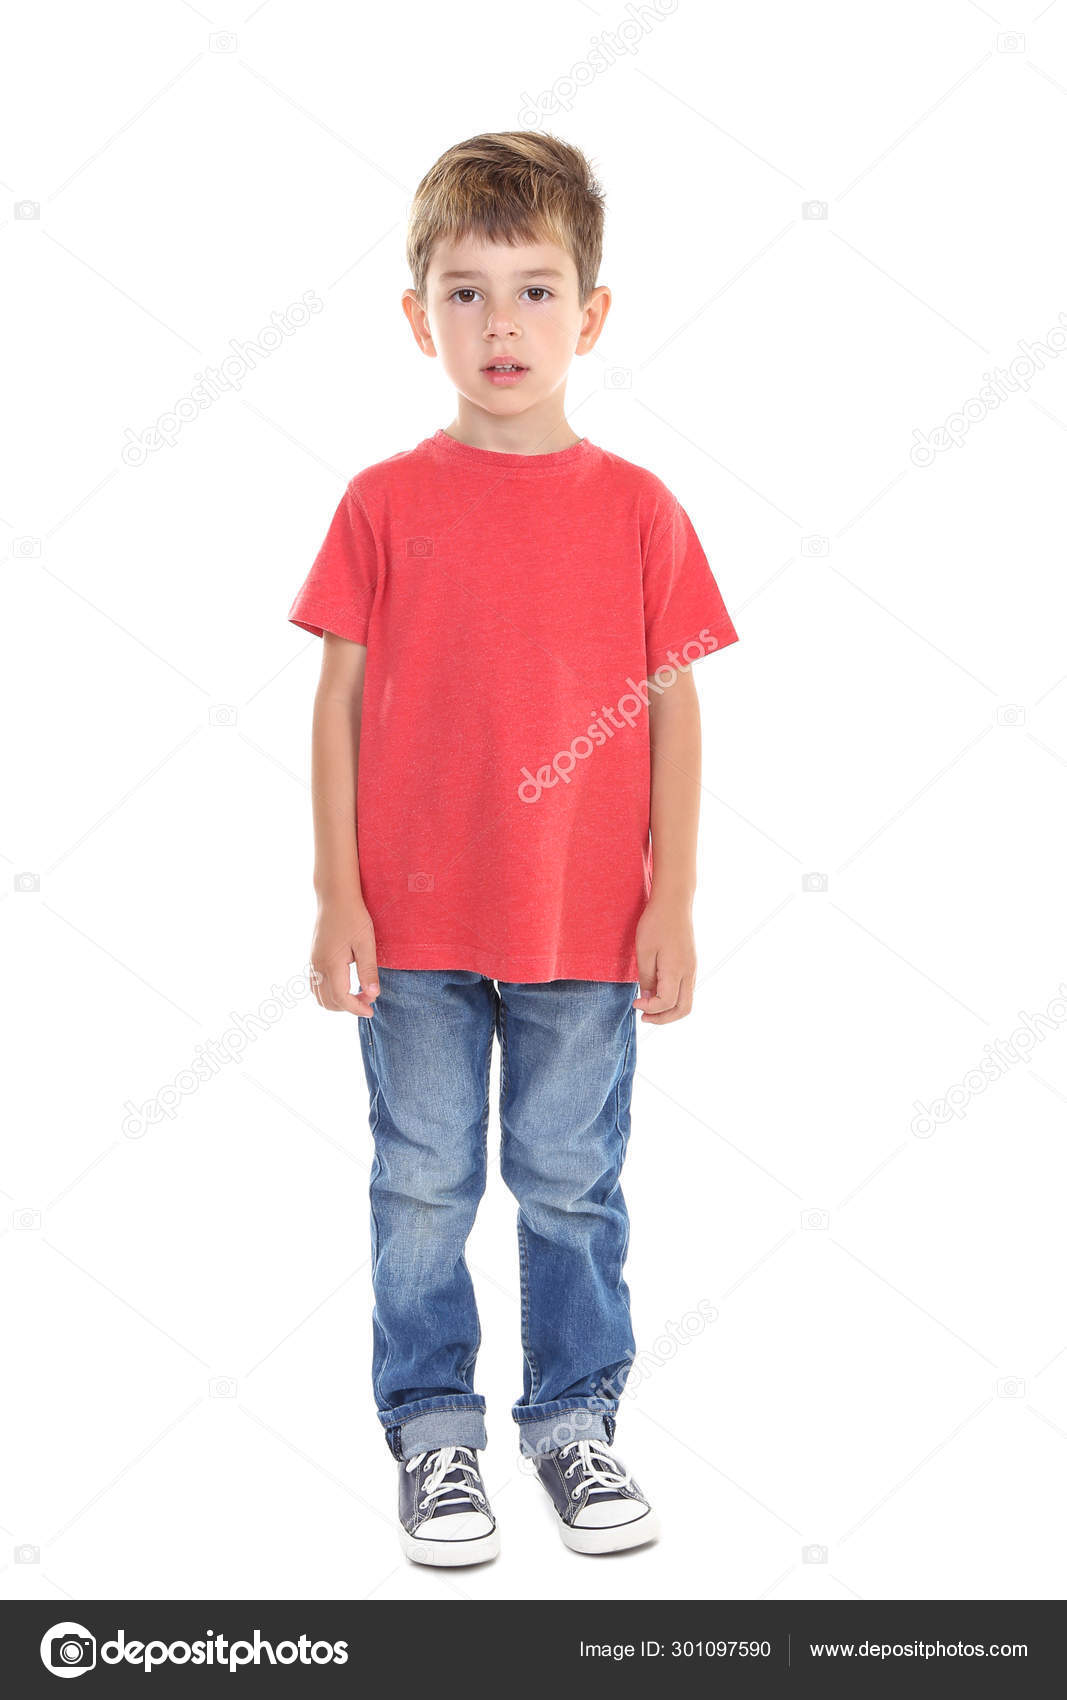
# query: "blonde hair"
[[513, 186]]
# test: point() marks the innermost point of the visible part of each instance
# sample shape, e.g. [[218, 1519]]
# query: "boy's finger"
[[336, 987], [664, 998], [367, 969], [343, 998], [646, 979], [681, 1008], [651, 992]]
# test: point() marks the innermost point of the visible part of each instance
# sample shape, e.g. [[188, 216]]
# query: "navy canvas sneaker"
[[599, 1506], [445, 1517]]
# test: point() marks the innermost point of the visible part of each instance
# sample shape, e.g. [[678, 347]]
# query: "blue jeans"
[[567, 1063]]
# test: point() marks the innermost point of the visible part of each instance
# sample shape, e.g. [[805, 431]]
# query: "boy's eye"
[[537, 289]]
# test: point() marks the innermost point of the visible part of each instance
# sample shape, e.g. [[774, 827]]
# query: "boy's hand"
[[666, 961], [344, 933]]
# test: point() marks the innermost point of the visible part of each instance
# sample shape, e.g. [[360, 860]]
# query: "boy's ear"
[[594, 313], [415, 314]]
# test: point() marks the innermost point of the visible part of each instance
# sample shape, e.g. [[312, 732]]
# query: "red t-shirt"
[[513, 607]]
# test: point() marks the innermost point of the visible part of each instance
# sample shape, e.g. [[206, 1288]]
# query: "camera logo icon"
[[815, 209], [68, 1649], [27, 209], [223, 41], [1011, 1387], [420, 546], [814, 882], [420, 882], [814, 545], [27, 882], [1010, 714], [618, 378], [814, 1221], [222, 714], [26, 548]]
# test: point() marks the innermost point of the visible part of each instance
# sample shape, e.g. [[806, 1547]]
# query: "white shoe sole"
[[615, 1539], [451, 1552]]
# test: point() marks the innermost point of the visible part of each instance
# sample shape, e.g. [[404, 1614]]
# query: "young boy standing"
[[505, 713]]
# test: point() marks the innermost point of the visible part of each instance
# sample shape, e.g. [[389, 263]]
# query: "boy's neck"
[[537, 431]]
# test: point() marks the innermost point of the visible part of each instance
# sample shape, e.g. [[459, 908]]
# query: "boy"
[[491, 604]]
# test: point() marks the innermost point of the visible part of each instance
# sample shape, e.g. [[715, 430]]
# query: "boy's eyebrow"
[[536, 271]]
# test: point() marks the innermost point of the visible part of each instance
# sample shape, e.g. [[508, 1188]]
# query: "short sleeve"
[[684, 611], [338, 593]]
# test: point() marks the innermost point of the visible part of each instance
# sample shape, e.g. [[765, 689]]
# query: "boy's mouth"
[[504, 371]]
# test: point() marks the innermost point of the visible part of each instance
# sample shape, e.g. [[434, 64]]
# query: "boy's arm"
[[344, 932], [665, 945]]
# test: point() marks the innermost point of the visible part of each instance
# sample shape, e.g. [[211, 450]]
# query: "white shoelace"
[[447, 1462], [601, 1472]]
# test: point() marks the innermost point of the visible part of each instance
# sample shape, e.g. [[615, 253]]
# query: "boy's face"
[[486, 301]]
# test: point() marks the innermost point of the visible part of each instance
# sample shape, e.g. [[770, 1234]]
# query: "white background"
[[187, 1325]]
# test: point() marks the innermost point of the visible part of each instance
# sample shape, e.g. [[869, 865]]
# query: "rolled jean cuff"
[[545, 1428], [424, 1424]]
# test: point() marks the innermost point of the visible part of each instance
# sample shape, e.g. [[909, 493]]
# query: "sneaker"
[[599, 1505], [445, 1516]]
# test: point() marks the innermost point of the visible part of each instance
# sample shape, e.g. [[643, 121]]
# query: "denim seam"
[[524, 1278], [524, 1256], [374, 1119], [451, 1402], [631, 1026], [455, 1402], [597, 1403], [502, 1028], [469, 1363]]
